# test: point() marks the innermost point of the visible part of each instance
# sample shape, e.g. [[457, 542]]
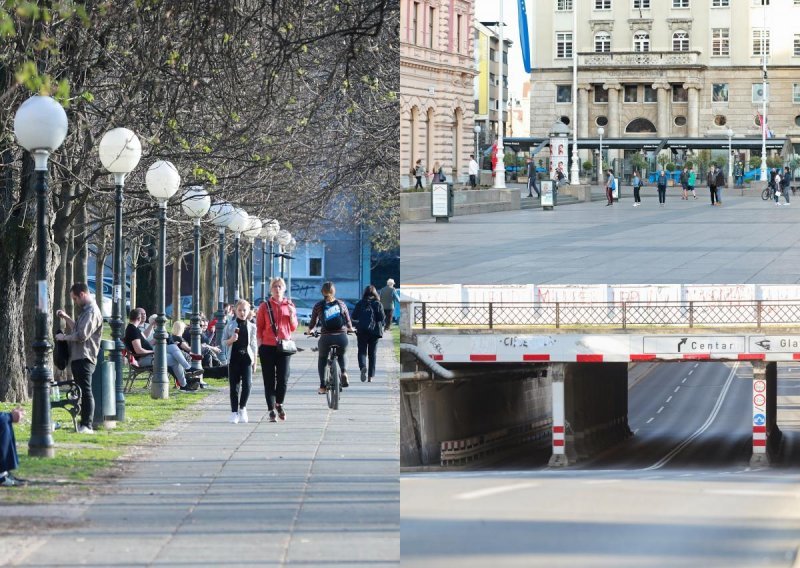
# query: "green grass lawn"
[[396, 337], [82, 459]]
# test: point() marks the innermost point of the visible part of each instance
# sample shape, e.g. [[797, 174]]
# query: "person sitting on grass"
[[8, 447]]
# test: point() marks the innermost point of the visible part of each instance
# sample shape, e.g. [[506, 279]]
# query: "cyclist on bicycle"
[[334, 319]]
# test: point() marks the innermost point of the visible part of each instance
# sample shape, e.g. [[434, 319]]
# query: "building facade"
[[437, 67], [487, 82], [667, 68]]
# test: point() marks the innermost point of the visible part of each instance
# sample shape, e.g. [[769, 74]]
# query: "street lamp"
[[600, 132], [40, 126], [290, 248], [251, 234], [220, 217], [269, 230], [238, 222], [730, 156], [196, 204], [120, 151], [162, 180], [284, 238], [477, 130]]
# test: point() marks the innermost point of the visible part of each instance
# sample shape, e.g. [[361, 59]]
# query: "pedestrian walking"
[[720, 182], [368, 316], [530, 171], [685, 183], [389, 295], [692, 181], [711, 179], [661, 184], [738, 174], [83, 337], [438, 173], [474, 170], [786, 183], [9, 459], [611, 185], [419, 171], [637, 185], [240, 338], [275, 322]]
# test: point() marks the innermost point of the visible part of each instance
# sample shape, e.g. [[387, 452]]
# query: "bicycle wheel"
[[765, 194], [334, 386]]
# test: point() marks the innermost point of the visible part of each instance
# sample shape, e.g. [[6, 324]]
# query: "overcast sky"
[[489, 11]]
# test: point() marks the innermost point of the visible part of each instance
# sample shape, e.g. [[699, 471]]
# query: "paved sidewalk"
[[320, 489], [747, 240]]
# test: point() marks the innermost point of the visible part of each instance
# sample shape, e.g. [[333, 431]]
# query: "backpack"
[[332, 316], [365, 323], [613, 184]]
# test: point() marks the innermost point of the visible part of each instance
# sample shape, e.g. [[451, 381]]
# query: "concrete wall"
[[416, 206]]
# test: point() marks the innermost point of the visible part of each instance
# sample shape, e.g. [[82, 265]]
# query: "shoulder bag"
[[284, 346]]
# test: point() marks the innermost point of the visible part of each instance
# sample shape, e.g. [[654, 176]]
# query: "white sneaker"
[[85, 430], [234, 419], [243, 415]]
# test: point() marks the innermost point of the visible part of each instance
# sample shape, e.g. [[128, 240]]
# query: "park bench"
[[69, 399], [135, 371]]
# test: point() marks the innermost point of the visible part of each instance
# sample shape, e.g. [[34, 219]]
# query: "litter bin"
[[105, 404]]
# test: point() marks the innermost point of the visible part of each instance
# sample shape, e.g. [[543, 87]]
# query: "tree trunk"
[[135, 247], [99, 266], [146, 279], [80, 272], [177, 313], [208, 282]]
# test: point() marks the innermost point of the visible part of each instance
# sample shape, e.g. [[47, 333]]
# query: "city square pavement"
[[320, 489], [746, 240]]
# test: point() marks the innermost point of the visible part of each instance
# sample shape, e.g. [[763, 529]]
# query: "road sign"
[[723, 344], [759, 400], [774, 343], [759, 419], [759, 386]]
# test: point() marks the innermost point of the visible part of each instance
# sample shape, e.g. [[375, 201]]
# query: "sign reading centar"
[[694, 344]]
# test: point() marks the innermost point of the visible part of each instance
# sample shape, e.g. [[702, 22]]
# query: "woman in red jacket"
[[276, 320]]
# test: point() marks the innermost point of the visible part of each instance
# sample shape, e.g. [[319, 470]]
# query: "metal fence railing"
[[625, 315]]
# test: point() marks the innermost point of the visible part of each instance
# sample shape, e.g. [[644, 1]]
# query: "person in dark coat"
[[719, 184], [8, 447], [368, 335], [711, 179]]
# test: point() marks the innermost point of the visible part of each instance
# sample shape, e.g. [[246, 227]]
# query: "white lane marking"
[[753, 492], [649, 421], [659, 410], [696, 365], [634, 432], [709, 421], [690, 372], [677, 388], [670, 398], [683, 381], [493, 491]]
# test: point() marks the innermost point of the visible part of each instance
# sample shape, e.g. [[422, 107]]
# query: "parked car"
[[108, 290], [186, 308]]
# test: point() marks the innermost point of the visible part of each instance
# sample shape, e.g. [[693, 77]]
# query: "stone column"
[[662, 90], [583, 111], [613, 109], [693, 119]]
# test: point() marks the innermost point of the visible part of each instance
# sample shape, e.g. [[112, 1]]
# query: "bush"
[[670, 167], [587, 165]]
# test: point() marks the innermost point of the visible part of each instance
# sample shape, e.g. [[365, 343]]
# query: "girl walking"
[[368, 317], [637, 185], [240, 340], [275, 321]]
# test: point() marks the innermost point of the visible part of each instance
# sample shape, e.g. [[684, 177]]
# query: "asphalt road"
[[747, 240], [678, 493]]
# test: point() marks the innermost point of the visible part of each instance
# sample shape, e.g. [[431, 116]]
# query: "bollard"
[[105, 404]]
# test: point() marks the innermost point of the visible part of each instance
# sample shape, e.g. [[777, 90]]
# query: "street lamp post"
[[730, 156], [196, 204], [290, 248], [239, 221], [269, 229], [500, 168], [284, 238], [220, 217], [251, 234], [120, 151], [600, 132], [162, 180], [477, 130], [40, 126]]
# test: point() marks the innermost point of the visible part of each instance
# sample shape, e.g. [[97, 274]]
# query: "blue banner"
[[524, 42]]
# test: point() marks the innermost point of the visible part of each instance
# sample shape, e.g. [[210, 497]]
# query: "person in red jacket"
[[276, 319]]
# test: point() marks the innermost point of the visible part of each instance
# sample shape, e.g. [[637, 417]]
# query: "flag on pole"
[[764, 127], [524, 42]]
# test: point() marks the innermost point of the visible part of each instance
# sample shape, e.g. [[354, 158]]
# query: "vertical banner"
[[524, 42]]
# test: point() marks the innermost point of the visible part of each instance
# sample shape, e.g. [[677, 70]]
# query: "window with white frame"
[[720, 42], [602, 42], [602, 4], [641, 4], [600, 94], [796, 45], [563, 93], [720, 3], [760, 42], [564, 44], [680, 41], [796, 93], [563, 5], [630, 92], [641, 41], [431, 26], [758, 93], [680, 3]]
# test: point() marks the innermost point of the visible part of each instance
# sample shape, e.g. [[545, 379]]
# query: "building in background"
[[487, 82], [666, 68], [437, 67]]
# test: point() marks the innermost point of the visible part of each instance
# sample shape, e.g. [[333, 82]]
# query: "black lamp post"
[[40, 126], [268, 232], [120, 151], [251, 234], [162, 181], [196, 204], [220, 216], [284, 237], [239, 221]]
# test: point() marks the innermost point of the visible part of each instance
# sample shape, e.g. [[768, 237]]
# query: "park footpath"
[[320, 489]]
